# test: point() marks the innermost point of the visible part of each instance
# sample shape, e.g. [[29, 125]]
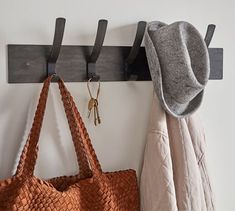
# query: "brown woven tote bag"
[[90, 190]]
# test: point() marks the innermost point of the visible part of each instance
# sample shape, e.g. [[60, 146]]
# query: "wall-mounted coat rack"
[[32, 63]]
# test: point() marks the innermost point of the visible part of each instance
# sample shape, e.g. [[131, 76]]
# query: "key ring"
[[93, 103], [89, 90]]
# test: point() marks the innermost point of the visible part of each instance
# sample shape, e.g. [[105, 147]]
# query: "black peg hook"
[[135, 50], [56, 46], [99, 40], [209, 34]]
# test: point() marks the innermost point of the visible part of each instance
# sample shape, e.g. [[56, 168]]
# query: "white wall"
[[124, 106]]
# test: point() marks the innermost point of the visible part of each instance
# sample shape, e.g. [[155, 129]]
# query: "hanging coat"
[[174, 174]]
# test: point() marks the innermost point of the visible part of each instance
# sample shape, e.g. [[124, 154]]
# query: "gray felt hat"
[[179, 65]]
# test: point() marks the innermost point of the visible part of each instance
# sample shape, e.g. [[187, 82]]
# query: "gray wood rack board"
[[27, 63]]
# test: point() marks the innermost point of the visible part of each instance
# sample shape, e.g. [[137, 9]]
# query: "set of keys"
[[93, 105]]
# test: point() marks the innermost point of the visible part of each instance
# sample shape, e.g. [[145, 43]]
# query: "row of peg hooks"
[[100, 35]]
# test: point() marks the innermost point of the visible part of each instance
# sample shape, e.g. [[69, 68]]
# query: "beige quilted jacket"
[[174, 175]]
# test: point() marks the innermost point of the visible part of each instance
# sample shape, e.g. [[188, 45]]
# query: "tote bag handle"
[[84, 150]]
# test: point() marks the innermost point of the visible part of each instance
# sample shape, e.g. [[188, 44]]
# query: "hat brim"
[[169, 104]]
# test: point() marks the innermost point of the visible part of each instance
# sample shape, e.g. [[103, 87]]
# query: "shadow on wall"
[[81, 35], [12, 129], [123, 35], [60, 144]]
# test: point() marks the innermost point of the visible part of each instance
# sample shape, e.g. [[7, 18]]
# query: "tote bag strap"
[[71, 106], [29, 154]]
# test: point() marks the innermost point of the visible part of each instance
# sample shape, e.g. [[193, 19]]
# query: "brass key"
[[91, 105], [97, 118]]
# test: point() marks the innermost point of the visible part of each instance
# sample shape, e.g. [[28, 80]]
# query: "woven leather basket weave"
[[90, 190]]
